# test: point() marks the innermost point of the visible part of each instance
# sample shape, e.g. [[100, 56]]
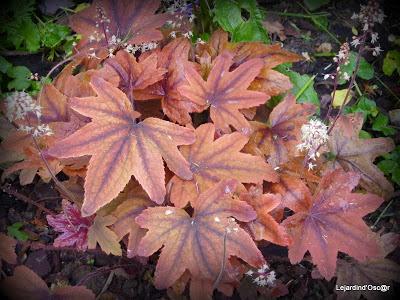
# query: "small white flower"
[[249, 273], [200, 41], [354, 16], [346, 76], [173, 34], [374, 37], [271, 277], [376, 51], [355, 42]]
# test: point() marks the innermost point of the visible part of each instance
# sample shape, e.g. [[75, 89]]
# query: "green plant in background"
[[391, 63], [365, 70], [381, 124], [15, 231], [390, 165], [22, 30], [242, 19]]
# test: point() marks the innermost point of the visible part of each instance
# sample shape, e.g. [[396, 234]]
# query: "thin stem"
[[102, 270], [388, 89], [7, 189], [382, 213]]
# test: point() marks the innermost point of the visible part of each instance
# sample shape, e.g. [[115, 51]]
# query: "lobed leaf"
[[210, 161], [196, 243], [334, 223], [121, 147]]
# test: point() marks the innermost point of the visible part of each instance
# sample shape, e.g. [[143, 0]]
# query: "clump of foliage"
[[178, 151]]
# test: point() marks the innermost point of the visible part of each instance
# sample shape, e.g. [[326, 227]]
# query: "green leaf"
[[15, 231], [365, 71], [309, 95], [230, 16], [390, 166], [381, 123], [364, 105], [315, 4], [53, 34], [391, 63], [364, 134], [31, 36], [20, 75], [4, 65], [320, 21]]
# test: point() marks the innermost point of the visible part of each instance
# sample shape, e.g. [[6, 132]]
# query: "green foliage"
[[23, 34], [391, 63], [365, 70], [391, 165], [381, 124], [242, 19], [19, 78], [15, 231], [364, 105], [308, 95], [315, 4]]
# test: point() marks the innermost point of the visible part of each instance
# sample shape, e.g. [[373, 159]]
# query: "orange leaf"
[[135, 200], [278, 138], [334, 223], [122, 147], [99, 233], [211, 161], [265, 227], [225, 92], [355, 154], [196, 243], [133, 76]]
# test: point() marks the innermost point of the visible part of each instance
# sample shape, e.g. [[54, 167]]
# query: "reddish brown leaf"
[[355, 154], [211, 161], [133, 76], [278, 139], [196, 243], [7, 249], [73, 226], [272, 55], [25, 284], [295, 193], [334, 223], [122, 147], [135, 200], [225, 92], [132, 21], [265, 227]]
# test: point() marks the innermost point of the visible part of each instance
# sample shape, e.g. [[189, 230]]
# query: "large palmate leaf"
[[265, 227], [134, 201], [211, 161], [355, 154], [225, 92], [132, 21], [196, 243], [278, 138], [25, 284], [121, 147], [334, 223], [133, 76]]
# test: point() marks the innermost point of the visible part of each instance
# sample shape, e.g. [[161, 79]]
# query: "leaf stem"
[[7, 189]]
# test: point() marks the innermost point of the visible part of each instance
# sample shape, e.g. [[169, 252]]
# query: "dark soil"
[[134, 279]]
